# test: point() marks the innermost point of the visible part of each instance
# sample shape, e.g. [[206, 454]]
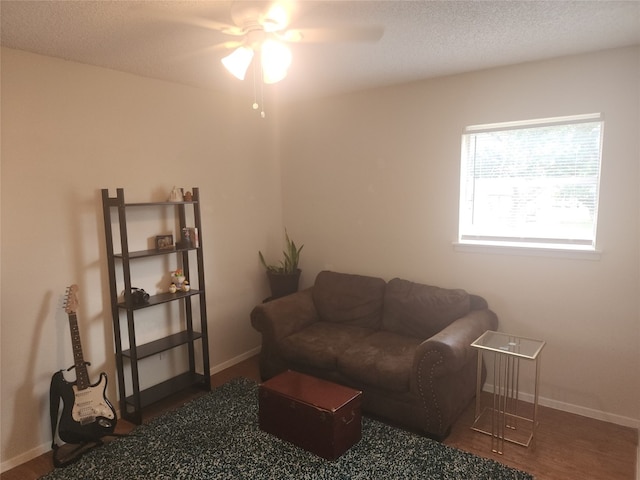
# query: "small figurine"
[[173, 288], [176, 195], [178, 277], [185, 286], [188, 196]]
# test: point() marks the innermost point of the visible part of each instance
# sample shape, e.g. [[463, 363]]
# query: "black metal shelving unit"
[[132, 403]]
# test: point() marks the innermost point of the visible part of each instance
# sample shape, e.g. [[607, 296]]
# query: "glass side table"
[[502, 420]]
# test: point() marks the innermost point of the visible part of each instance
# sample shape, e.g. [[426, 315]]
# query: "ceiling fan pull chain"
[[255, 91], [262, 114], [255, 94]]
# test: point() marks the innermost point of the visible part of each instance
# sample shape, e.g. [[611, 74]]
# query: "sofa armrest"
[[445, 369], [281, 317], [278, 319], [453, 343]]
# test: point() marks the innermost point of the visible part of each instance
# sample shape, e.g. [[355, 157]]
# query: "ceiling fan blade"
[[333, 35], [170, 17], [224, 47], [213, 25], [230, 45], [272, 16]]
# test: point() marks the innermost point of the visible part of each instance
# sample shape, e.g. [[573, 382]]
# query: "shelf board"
[[115, 202], [153, 252], [163, 344], [162, 390], [160, 299], [150, 204]]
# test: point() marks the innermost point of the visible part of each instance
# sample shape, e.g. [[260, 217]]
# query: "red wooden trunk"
[[319, 416]]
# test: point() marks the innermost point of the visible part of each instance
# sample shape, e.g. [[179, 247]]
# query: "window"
[[532, 183]]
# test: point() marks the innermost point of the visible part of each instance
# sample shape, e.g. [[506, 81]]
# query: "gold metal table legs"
[[503, 419]]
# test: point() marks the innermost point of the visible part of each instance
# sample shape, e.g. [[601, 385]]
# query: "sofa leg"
[[438, 438]]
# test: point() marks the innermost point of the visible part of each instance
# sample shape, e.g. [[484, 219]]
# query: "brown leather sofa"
[[404, 344]]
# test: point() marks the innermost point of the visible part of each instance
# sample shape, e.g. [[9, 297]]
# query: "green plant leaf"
[[291, 257]]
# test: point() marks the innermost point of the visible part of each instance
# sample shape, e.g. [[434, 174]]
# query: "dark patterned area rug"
[[217, 437]]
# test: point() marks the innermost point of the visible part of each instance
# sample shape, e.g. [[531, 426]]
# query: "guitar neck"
[[82, 376]]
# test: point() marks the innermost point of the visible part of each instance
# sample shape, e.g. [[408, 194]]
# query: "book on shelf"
[[190, 238]]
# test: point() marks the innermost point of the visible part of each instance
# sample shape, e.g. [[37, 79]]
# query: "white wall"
[[371, 182], [69, 130], [369, 185]]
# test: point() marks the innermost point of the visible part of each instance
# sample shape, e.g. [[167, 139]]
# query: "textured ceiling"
[[178, 40]]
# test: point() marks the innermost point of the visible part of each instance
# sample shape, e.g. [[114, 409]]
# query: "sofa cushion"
[[383, 360], [421, 310], [349, 299], [319, 344]]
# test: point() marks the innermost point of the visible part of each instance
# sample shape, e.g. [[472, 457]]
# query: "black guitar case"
[[85, 439]]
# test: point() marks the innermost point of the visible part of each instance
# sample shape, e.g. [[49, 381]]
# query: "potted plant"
[[284, 277]]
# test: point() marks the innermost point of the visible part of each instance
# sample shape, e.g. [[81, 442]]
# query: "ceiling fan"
[[262, 31], [265, 29]]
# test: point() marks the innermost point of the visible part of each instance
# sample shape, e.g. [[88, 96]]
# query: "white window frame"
[[471, 236]]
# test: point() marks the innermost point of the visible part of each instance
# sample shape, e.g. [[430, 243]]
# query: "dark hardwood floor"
[[568, 446]]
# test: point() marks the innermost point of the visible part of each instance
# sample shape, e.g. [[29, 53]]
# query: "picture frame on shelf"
[[164, 242]]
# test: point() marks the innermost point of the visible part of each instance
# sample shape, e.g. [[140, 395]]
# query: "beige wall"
[[69, 130], [371, 184]]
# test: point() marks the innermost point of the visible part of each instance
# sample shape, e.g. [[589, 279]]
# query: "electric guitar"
[[87, 414]]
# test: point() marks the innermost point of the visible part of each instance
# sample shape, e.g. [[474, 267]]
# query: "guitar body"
[[87, 414]]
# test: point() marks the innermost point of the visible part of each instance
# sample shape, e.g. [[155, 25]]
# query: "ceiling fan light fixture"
[[276, 60], [277, 18], [238, 61]]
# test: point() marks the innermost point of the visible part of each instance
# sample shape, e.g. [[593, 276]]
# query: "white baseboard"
[[235, 360], [591, 413], [577, 409], [45, 447], [24, 457]]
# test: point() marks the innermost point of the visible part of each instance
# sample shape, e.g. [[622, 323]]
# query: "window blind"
[[534, 182]]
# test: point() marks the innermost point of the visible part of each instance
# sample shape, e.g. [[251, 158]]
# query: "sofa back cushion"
[[421, 310], [350, 299]]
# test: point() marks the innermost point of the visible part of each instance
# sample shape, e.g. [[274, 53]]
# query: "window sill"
[[528, 250]]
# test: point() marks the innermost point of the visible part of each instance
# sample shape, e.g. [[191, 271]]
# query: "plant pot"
[[282, 284]]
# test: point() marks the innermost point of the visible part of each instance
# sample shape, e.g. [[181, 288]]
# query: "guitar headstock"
[[71, 301]]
